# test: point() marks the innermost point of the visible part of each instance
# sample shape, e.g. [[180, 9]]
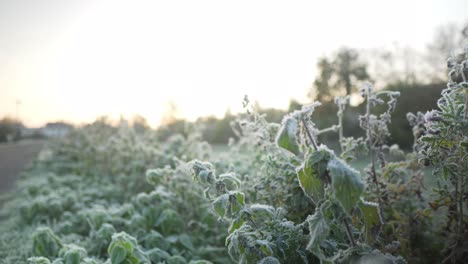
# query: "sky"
[[76, 60]]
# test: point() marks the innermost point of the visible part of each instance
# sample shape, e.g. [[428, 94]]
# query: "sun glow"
[[115, 58]]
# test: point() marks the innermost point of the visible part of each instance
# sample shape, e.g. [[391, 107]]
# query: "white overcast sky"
[[76, 60]]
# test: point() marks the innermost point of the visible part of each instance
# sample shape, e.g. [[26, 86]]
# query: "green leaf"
[[319, 229], [372, 258], [186, 241], [72, 254], [269, 260], [286, 137], [236, 201], [428, 139], [155, 176], [118, 254], [38, 260], [157, 255], [312, 174], [170, 222], [176, 260], [310, 183], [46, 243], [372, 220], [235, 224], [221, 204], [346, 182], [201, 261], [464, 144]]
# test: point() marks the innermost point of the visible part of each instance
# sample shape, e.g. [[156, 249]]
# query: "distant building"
[[56, 129]]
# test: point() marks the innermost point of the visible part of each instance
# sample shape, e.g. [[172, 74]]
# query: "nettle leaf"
[[125, 249], [46, 243], [155, 176], [186, 241], [265, 246], [235, 224], [312, 174], [170, 222], [261, 211], [372, 219], [221, 205], [118, 254], [269, 260], [176, 260], [157, 255], [230, 177], [310, 183], [72, 254], [346, 182], [287, 135], [319, 229], [201, 261], [38, 260], [373, 258], [236, 201]]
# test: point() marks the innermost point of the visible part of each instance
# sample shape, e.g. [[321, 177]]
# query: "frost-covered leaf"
[[157, 255], [236, 201], [312, 174], [221, 205], [269, 260], [176, 260], [46, 243], [118, 254], [38, 260], [186, 241], [202, 172], [310, 184], [262, 211], [375, 258], [287, 135], [125, 249], [319, 229], [230, 177], [155, 176], [372, 220], [346, 182], [72, 254], [170, 222], [235, 224], [200, 262]]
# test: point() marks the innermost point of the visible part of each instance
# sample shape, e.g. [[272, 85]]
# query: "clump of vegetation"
[[115, 195]]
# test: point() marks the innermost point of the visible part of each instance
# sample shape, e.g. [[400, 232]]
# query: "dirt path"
[[14, 158]]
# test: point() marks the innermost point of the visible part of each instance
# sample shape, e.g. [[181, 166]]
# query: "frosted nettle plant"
[[342, 228], [376, 128], [443, 143]]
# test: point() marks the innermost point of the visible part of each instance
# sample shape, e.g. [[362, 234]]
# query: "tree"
[[9, 129], [348, 68], [343, 70], [322, 83], [447, 38]]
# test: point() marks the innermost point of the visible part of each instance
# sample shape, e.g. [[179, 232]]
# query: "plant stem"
[[461, 191], [465, 113], [340, 131], [371, 147], [348, 231], [255, 225], [328, 129], [309, 134]]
